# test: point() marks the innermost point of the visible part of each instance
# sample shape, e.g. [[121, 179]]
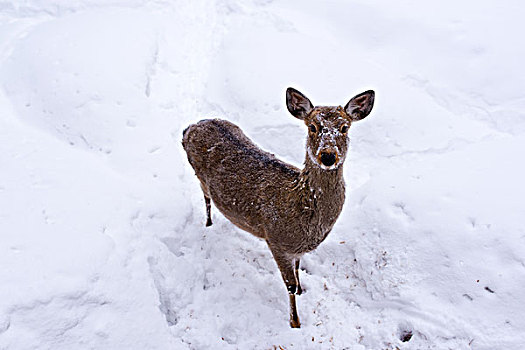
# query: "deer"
[[292, 209]]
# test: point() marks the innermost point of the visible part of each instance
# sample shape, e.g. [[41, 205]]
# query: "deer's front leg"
[[286, 266], [299, 290]]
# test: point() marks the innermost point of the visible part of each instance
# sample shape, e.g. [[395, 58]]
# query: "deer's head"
[[328, 126]]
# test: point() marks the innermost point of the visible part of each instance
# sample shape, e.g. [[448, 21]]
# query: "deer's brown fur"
[[292, 209]]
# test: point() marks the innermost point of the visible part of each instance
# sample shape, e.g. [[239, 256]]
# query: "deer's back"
[[247, 184]]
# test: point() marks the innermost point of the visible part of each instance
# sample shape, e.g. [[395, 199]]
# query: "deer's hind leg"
[[207, 200], [208, 211]]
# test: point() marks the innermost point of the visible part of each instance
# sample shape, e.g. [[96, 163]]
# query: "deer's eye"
[[312, 128], [344, 129]]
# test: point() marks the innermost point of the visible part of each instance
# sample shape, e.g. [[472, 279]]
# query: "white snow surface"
[[102, 237]]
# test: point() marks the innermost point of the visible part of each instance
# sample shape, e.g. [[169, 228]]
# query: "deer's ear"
[[297, 103], [360, 105]]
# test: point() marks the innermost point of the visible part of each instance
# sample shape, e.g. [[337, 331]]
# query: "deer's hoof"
[[208, 223], [295, 324], [299, 290]]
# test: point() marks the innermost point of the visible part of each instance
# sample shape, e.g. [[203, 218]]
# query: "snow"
[[102, 238]]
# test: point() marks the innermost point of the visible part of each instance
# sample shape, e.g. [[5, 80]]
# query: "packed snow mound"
[[103, 238]]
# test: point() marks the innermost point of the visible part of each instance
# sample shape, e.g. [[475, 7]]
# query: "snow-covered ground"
[[102, 237]]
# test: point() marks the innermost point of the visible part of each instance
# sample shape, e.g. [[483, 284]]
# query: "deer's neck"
[[322, 195]]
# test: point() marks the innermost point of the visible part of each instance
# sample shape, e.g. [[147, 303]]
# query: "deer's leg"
[[208, 210], [206, 193], [286, 266], [299, 290]]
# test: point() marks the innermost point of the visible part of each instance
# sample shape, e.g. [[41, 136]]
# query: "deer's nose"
[[328, 158]]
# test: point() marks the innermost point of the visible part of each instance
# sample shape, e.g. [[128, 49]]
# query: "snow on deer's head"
[[328, 126]]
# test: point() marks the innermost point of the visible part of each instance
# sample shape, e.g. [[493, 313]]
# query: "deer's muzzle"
[[327, 158]]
